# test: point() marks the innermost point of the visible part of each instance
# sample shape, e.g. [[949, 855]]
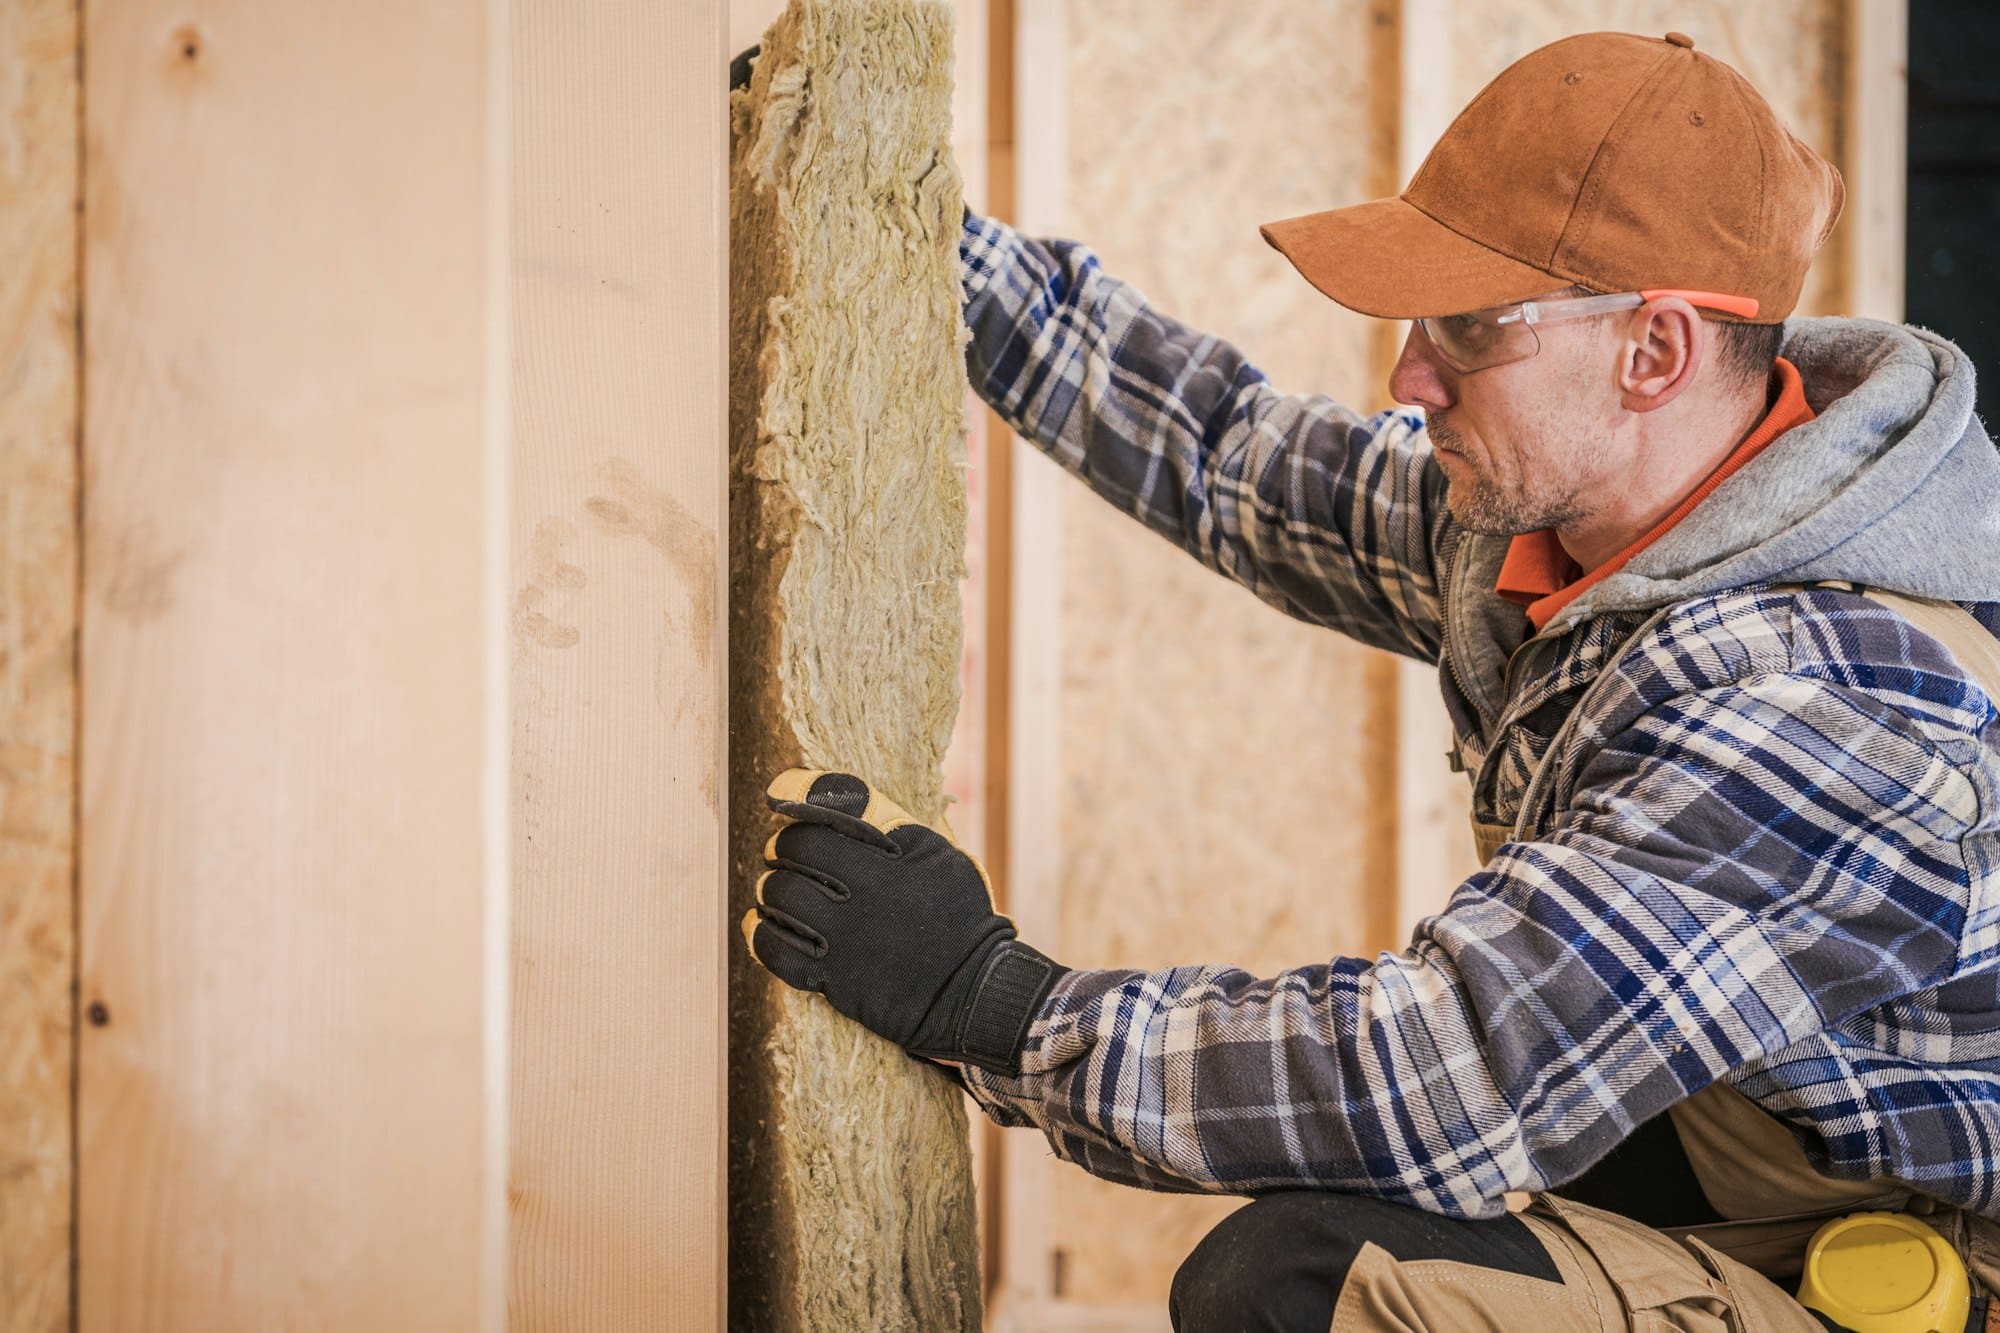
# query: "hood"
[[1895, 485]]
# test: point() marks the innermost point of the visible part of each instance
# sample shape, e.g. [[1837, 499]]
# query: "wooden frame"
[[1429, 814], [402, 898], [394, 532], [1875, 133], [1023, 1296], [616, 272], [289, 1096]]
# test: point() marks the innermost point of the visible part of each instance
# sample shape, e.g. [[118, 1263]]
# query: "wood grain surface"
[[38, 595], [290, 728], [618, 268]]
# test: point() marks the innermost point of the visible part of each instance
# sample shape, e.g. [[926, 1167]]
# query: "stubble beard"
[[1483, 507]]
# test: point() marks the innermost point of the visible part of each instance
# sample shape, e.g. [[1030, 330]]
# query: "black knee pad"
[[1277, 1263], [1262, 1268]]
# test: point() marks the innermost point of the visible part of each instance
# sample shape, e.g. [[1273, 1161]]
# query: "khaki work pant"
[[1617, 1275]]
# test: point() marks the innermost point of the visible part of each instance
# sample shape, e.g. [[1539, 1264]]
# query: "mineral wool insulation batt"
[[850, 1186]]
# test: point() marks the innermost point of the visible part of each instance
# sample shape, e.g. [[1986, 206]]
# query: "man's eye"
[[1467, 329]]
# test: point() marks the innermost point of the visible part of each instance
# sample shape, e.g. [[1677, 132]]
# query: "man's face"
[[1522, 445]]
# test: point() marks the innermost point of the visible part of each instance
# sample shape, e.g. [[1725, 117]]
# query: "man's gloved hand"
[[892, 924], [740, 67]]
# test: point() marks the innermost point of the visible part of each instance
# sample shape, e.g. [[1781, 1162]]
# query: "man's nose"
[[1416, 380]]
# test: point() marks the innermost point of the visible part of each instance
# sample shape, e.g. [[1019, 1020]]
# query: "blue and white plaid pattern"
[[1771, 853]]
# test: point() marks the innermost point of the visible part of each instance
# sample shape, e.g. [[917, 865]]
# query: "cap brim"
[[1390, 259]]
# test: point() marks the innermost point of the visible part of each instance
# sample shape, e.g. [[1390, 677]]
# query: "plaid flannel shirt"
[[1772, 854]]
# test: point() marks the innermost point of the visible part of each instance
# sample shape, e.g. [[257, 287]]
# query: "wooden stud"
[[342, 750], [1430, 801], [290, 731], [1875, 134], [998, 457], [617, 272], [1031, 851]]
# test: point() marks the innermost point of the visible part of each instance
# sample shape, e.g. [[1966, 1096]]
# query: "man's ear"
[[1660, 354]]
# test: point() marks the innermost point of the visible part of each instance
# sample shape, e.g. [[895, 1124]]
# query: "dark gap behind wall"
[[1952, 260]]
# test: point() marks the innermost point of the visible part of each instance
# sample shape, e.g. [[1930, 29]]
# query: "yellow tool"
[[1885, 1273]]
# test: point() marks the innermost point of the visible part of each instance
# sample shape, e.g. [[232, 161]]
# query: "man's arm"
[[1329, 518], [1742, 867]]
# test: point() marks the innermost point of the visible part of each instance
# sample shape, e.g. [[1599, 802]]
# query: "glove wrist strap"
[[1008, 993]]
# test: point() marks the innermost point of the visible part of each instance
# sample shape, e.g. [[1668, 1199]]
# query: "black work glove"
[[740, 67], [893, 925]]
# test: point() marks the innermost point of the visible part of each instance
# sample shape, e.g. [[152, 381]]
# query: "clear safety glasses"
[[1482, 339]]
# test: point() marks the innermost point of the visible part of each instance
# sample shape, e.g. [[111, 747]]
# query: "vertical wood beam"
[[617, 272], [38, 591], [329, 384], [999, 446], [291, 1089], [1429, 822], [1875, 134], [1032, 851]]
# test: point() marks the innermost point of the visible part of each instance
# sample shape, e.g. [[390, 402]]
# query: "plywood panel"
[[290, 734], [850, 1185], [1263, 834], [38, 566], [617, 271]]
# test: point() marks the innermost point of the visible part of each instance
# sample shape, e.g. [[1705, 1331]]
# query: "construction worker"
[[1713, 598]]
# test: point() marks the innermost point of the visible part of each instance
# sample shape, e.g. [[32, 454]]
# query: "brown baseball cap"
[[1619, 162]]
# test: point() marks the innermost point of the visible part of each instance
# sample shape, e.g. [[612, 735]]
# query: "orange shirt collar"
[[1539, 574]]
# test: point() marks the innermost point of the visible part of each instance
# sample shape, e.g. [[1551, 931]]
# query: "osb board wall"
[[1790, 50], [38, 568], [850, 1185], [1227, 772]]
